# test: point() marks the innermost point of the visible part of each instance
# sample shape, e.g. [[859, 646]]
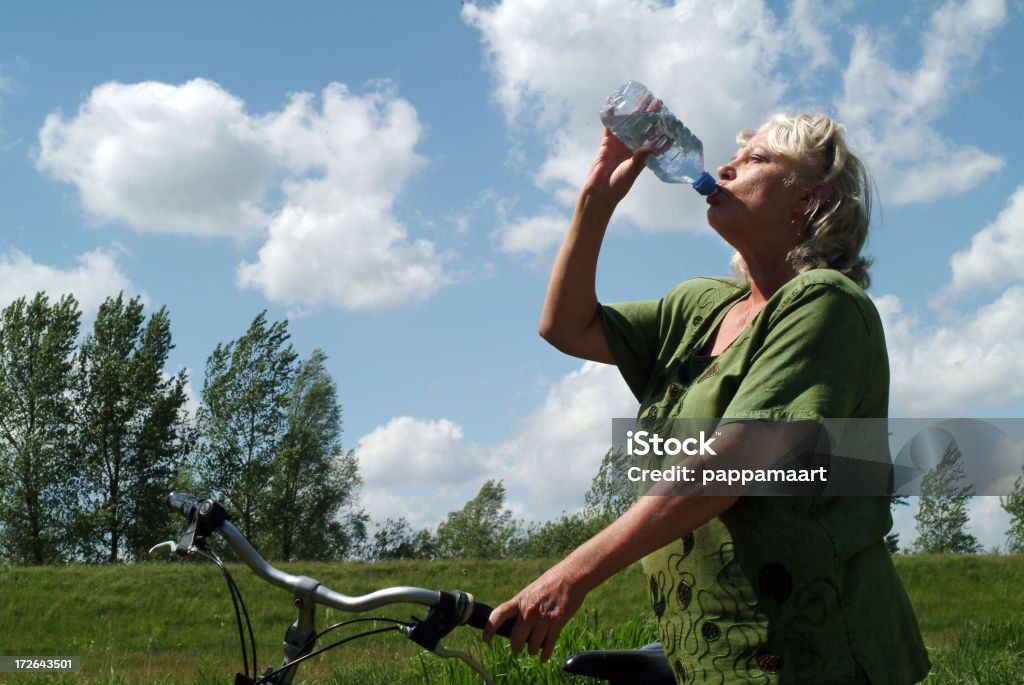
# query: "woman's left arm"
[[544, 607]]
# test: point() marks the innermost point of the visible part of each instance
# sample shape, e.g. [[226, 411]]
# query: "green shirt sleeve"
[[646, 333], [633, 332], [822, 356]]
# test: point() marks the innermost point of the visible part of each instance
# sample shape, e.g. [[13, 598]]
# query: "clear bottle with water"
[[638, 118]]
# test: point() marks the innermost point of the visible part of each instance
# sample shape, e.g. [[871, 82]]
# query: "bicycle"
[[445, 611]]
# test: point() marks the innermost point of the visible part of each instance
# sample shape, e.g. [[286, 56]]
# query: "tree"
[[396, 539], [942, 512], [243, 418], [482, 529], [1013, 504], [313, 485], [559, 537], [37, 356], [132, 430], [610, 493]]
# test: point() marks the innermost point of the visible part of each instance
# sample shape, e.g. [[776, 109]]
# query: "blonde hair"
[[837, 227]]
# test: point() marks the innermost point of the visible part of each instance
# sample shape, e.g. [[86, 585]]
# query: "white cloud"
[[558, 448], [892, 112], [423, 469], [973, 360], [176, 159], [415, 450], [807, 24], [420, 469], [532, 235], [96, 277], [554, 63], [988, 522], [319, 182], [996, 253], [720, 68], [336, 239]]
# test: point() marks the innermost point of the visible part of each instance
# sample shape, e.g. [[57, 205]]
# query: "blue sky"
[[394, 178]]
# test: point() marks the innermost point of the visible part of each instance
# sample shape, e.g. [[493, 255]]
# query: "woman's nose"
[[726, 172]]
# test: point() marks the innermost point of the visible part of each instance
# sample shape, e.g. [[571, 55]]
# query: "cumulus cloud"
[[418, 468], [532, 235], [554, 63], [410, 450], [893, 111], [971, 357], [318, 179], [972, 360], [558, 447], [423, 469], [336, 224], [96, 276], [996, 253], [176, 159]]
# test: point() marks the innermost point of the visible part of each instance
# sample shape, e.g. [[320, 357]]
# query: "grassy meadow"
[[174, 623]]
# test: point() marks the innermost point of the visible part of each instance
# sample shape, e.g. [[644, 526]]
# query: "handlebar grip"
[[481, 612], [182, 502]]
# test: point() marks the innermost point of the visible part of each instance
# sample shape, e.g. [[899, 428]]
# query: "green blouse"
[[776, 589]]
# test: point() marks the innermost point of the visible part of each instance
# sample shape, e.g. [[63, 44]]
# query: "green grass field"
[[173, 622]]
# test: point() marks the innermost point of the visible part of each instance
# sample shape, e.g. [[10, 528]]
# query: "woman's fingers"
[[554, 630], [498, 617], [541, 611]]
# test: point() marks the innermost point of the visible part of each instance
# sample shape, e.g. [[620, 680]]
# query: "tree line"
[[94, 432]]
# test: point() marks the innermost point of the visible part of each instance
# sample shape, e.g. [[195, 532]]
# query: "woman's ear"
[[815, 198]]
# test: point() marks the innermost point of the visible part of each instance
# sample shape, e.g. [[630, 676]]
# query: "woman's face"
[[757, 197]]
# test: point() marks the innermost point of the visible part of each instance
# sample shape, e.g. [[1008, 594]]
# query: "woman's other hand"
[[542, 609]]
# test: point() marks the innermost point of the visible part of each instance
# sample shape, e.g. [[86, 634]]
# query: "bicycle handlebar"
[[197, 510]]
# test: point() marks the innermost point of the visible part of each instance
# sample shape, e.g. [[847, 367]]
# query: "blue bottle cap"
[[705, 184]]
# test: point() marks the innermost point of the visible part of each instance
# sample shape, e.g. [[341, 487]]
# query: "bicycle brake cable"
[[339, 643], [236, 600]]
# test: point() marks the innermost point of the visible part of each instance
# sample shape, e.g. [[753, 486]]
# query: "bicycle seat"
[[646, 665]]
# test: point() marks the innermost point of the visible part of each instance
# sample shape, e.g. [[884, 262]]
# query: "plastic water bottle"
[[638, 118]]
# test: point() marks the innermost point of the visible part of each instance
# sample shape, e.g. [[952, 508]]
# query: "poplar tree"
[[37, 356], [611, 493], [942, 511], [314, 486], [1013, 504], [482, 529], [132, 431], [242, 421]]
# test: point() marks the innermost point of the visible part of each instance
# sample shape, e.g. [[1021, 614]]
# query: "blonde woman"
[[745, 589]]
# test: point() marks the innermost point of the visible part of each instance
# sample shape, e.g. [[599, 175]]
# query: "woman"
[[745, 589]]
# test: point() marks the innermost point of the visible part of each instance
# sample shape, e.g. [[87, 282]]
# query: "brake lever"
[[446, 653], [170, 545]]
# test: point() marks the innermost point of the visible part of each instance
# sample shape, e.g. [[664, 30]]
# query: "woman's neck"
[[767, 278]]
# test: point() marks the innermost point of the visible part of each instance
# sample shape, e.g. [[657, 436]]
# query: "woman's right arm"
[[571, 319]]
